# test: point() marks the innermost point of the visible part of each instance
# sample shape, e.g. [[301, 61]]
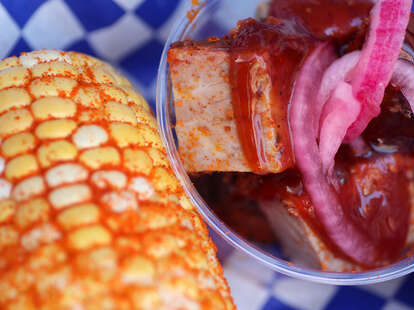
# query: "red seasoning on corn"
[[91, 215]]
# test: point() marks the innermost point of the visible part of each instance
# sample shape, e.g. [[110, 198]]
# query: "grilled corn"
[[91, 215]]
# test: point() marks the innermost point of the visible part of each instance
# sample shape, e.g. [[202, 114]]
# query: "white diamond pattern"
[[53, 25], [117, 40], [9, 32]]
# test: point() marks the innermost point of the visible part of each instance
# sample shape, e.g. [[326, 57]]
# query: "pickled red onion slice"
[[341, 110], [325, 200], [336, 73], [389, 20], [403, 77]]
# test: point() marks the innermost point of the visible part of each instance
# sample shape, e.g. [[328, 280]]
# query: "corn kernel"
[[31, 212], [13, 98], [88, 97], [48, 256], [54, 129], [137, 161], [90, 115], [87, 237], [52, 86], [142, 187], [118, 112], [136, 97], [185, 203], [102, 259], [89, 136], [78, 215], [21, 166], [53, 107], [28, 188], [120, 202], [158, 157], [102, 74], [81, 60], [152, 218], [120, 79], [146, 298], [124, 134], [114, 94], [7, 210], [30, 60], [148, 137], [54, 68], [22, 278], [138, 270], [69, 195], [164, 180], [60, 150], [15, 121], [43, 234], [5, 189], [160, 244], [21, 303], [109, 178], [214, 300], [196, 259], [18, 144], [145, 117], [9, 62], [185, 286], [66, 173], [50, 281], [8, 236], [15, 76], [96, 158]]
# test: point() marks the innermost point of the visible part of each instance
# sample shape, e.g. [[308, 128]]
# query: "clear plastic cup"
[[217, 17]]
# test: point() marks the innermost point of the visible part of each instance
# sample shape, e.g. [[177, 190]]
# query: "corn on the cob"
[[91, 215]]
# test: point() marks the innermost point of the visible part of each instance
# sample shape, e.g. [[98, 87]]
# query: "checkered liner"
[[130, 34]]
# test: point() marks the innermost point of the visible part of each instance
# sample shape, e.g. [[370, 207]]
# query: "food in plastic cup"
[[216, 18]]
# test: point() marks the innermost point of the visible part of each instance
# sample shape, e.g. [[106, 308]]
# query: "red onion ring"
[[389, 20], [328, 209]]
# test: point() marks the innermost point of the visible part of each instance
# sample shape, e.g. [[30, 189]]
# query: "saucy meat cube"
[[231, 97], [205, 122]]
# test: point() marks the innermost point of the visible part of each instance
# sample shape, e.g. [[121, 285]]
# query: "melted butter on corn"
[[91, 215]]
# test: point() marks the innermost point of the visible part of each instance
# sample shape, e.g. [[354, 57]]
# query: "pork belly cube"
[[205, 123]]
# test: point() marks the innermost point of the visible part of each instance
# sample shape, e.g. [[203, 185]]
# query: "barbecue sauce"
[[280, 49], [325, 19]]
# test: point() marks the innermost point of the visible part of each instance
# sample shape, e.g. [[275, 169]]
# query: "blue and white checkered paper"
[[130, 34]]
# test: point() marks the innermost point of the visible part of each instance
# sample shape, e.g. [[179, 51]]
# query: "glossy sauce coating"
[[324, 19], [374, 192], [280, 50]]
